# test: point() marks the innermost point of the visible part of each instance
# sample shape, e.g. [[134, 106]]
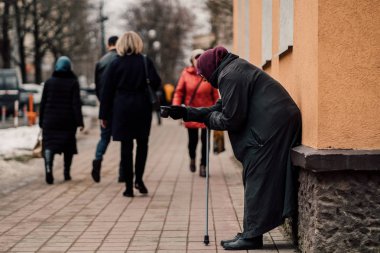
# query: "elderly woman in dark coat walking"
[[263, 123], [125, 100], [60, 115]]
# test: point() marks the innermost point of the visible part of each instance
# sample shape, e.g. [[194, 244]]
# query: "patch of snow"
[[18, 141]]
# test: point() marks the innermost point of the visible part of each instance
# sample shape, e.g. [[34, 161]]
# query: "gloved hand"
[[206, 120], [177, 112]]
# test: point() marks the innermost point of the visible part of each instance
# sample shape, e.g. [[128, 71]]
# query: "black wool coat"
[[60, 112], [125, 100], [263, 123]]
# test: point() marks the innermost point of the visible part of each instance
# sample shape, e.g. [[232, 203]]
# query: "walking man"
[[105, 133]]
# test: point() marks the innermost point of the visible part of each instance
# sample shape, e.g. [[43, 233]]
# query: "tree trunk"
[[20, 37], [37, 45], [6, 49]]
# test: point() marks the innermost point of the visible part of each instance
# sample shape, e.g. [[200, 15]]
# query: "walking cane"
[[206, 238]]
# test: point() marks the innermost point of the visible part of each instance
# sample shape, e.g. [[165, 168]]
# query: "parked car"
[[10, 82], [31, 89]]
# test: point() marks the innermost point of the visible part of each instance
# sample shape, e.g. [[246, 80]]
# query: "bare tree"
[[172, 24], [60, 31], [5, 40], [22, 9], [221, 20]]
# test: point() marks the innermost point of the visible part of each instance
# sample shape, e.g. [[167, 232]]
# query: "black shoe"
[[192, 165], [141, 187], [245, 244], [202, 170], [49, 178], [128, 193], [237, 236], [95, 173], [67, 176]]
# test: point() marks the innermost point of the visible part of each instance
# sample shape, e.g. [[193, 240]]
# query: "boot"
[[121, 175], [49, 156], [202, 170], [68, 158], [192, 165], [139, 185], [128, 189], [66, 174], [95, 173]]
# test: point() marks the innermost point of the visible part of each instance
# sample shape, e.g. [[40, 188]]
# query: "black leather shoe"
[[202, 170], [141, 187], [67, 176], [192, 165], [237, 236], [49, 178], [128, 193], [245, 244]]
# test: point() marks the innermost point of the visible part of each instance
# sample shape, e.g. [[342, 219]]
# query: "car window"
[[10, 83]]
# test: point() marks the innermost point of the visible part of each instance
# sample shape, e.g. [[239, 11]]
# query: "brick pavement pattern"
[[83, 216]]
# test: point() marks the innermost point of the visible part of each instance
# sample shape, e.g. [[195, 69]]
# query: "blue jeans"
[[105, 138]]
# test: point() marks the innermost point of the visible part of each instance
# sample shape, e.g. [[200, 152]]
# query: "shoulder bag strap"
[[195, 91], [146, 70]]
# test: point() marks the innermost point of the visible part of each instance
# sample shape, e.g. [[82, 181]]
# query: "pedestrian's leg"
[[193, 141], [121, 170], [127, 165], [141, 155], [105, 137], [67, 160], [49, 158], [202, 167]]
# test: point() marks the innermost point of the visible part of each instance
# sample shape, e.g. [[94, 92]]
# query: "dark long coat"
[[263, 123], [60, 112], [125, 100]]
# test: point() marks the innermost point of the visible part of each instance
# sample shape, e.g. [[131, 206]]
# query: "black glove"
[[177, 112], [206, 120]]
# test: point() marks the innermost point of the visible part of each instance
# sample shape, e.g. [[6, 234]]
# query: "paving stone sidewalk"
[[83, 216]]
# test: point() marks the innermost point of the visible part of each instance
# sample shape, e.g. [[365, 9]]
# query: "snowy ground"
[[17, 167]]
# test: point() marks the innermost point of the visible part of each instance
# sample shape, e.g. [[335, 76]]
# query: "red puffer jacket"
[[205, 96]]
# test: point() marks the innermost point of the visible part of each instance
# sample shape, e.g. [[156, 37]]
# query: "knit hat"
[[63, 64], [210, 61]]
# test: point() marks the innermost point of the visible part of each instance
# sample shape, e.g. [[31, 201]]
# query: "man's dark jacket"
[[263, 123], [100, 68]]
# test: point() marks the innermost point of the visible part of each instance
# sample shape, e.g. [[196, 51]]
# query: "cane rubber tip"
[[206, 240]]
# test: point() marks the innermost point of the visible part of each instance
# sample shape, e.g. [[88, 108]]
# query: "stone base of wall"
[[338, 209]]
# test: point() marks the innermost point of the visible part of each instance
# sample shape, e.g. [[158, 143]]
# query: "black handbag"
[[152, 94]]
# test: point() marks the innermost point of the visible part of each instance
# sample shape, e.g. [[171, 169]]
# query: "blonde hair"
[[129, 43]]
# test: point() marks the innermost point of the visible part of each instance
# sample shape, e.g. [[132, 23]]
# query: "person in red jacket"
[[192, 90]]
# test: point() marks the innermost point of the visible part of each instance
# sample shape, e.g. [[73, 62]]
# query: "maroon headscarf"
[[210, 60]]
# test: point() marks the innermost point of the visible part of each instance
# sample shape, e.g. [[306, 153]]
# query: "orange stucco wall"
[[333, 71], [349, 74]]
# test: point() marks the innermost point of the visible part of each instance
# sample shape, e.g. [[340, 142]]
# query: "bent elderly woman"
[[263, 123]]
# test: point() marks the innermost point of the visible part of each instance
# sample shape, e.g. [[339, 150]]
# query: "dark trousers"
[[193, 142], [49, 159], [127, 159]]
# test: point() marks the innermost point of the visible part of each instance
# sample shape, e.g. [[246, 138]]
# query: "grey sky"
[[115, 25]]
